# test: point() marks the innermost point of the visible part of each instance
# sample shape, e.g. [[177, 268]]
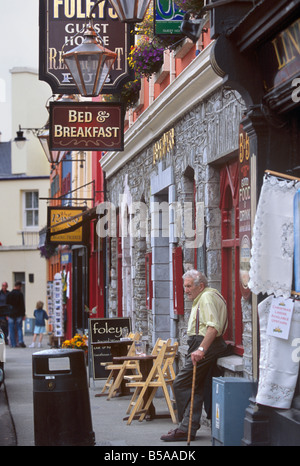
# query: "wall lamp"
[[53, 157], [130, 11], [192, 27], [90, 62]]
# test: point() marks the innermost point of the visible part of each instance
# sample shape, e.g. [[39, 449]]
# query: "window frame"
[[33, 209], [148, 280], [230, 244], [178, 295]]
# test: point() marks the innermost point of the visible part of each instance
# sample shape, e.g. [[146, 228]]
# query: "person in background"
[[16, 315], [40, 325], [4, 310]]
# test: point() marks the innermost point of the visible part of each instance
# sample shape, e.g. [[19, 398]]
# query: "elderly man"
[[207, 323]]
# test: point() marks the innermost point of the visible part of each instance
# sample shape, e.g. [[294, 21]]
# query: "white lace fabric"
[[279, 361], [271, 263]]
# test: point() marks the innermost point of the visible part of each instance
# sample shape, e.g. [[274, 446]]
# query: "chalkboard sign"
[[101, 330]]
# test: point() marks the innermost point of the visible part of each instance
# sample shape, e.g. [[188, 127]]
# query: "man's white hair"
[[197, 276]]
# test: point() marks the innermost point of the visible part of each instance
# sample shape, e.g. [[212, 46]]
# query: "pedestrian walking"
[[4, 310], [40, 325], [16, 315], [207, 323]]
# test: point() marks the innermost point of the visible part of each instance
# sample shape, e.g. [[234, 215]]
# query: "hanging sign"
[[91, 126], [65, 225], [245, 211], [168, 18], [60, 21]]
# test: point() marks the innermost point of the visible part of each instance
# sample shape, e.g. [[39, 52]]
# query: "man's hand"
[[197, 356]]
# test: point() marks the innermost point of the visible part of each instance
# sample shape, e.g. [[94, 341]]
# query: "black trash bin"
[[62, 413]]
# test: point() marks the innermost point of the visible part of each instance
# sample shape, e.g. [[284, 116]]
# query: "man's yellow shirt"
[[212, 313]]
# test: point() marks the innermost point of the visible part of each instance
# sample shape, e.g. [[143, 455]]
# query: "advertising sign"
[[245, 211], [61, 29], [280, 317], [280, 57], [90, 126], [62, 225], [103, 330], [168, 18]]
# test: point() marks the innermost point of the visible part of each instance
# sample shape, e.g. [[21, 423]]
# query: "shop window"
[[230, 253], [178, 298], [149, 285]]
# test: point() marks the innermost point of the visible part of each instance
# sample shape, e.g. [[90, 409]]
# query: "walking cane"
[[192, 403]]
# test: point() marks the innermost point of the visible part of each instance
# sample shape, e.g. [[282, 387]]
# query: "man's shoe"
[[22, 345], [176, 435]]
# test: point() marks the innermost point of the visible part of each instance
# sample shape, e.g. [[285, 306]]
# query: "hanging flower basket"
[[47, 250], [145, 58], [193, 6], [129, 95]]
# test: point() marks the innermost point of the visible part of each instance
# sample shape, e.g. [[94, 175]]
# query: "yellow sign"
[[62, 223], [163, 146]]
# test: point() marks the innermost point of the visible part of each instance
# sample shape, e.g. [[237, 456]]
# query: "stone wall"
[[205, 138]]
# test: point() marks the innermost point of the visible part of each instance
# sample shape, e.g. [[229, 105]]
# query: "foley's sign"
[[61, 29], [90, 126]]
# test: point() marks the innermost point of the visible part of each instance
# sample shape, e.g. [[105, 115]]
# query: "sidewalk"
[[107, 416]]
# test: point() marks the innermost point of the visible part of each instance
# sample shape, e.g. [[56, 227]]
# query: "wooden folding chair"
[[123, 368], [110, 379], [131, 378], [160, 375]]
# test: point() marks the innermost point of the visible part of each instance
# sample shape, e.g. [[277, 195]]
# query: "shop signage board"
[[101, 330], [280, 57], [60, 21], [168, 18], [245, 211], [90, 126], [62, 225]]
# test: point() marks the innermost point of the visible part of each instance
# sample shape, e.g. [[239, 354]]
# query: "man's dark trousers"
[[183, 382]]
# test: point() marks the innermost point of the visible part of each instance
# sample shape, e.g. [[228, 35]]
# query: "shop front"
[[259, 57], [168, 202]]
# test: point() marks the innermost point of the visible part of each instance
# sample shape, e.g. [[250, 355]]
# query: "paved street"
[[107, 416]]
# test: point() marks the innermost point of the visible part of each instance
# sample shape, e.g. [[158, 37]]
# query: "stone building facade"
[[158, 191]]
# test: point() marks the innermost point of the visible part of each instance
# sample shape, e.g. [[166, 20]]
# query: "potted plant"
[[77, 342]]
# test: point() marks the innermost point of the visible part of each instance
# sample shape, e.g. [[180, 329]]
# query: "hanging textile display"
[[271, 263], [279, 360], [297, 241]]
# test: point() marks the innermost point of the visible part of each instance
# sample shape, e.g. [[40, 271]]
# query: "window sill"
[[233, 363]]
